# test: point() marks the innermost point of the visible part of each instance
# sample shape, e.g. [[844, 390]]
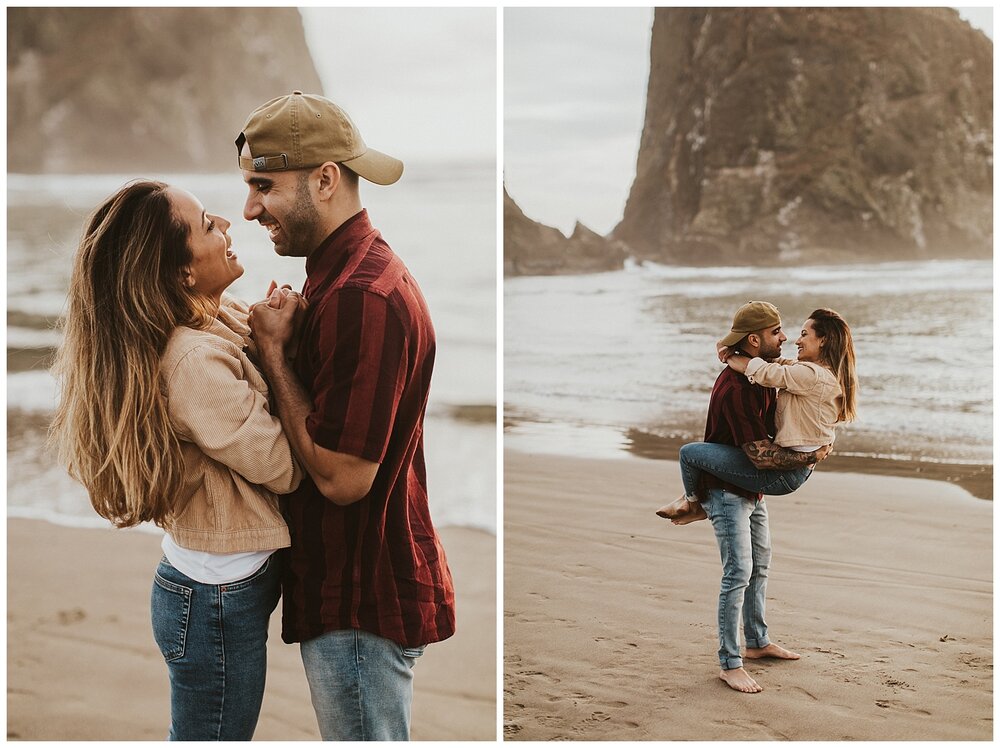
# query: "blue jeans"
[[214, 640], [361, 685], [733, 466], [745, 547]]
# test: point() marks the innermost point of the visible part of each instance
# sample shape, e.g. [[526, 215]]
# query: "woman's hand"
[[724, 351], [277, 321], [738, 362]]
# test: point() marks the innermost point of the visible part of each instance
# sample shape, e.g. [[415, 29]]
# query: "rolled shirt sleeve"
[[357, 389]]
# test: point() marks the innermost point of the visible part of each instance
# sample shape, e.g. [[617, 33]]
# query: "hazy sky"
[[420, 83], [574, 102]]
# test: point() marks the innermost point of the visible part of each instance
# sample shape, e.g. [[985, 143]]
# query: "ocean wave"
[[32, 391]]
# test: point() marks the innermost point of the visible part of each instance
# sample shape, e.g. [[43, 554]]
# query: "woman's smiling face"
[[214, 266], [810, 345]]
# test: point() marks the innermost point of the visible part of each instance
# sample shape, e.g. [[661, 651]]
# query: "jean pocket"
[[170, 609]]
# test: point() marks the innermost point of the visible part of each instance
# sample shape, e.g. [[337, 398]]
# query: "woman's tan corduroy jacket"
[[808, 405], [236, 457]]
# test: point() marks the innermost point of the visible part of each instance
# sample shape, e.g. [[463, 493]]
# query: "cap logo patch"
[[258, 163]]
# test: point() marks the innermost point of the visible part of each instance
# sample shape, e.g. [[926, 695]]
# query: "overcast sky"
[[420, 83], [574, 102]]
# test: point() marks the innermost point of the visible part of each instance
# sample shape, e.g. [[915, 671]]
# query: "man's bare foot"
[[675, 508], [771, 650], [739, 680]]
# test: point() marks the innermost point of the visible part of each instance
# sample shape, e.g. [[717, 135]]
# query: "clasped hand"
[[276, 321]]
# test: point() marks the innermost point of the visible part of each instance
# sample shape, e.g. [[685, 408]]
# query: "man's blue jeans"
[[213, 638], [733, 466], [361, 685], [745, 547]]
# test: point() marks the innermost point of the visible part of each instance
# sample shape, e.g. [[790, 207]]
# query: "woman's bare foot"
[[771, 650], [675, 508], [739, 680], [695, 513]]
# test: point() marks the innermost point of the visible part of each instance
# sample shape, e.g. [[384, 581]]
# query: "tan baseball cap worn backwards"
[[299, 131], [751, 317]]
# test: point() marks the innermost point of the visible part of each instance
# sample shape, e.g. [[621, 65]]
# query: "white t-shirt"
[[212, 568]]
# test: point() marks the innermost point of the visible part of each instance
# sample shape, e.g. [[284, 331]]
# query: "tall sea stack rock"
[[531, 248], [100, 90], [814, 134]]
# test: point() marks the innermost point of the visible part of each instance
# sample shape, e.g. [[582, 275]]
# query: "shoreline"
[[977, 479], [884, 585]]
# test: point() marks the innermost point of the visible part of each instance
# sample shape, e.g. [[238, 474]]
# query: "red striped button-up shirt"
[[738, 413], [366, 357]]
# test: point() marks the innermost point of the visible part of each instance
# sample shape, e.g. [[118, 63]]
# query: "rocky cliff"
[[531, 248], [144, 89], [816, 134]]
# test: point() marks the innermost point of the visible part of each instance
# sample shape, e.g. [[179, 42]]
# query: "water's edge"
[[976, 478]]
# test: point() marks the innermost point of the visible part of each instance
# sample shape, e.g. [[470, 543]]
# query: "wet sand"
[[976, 479]]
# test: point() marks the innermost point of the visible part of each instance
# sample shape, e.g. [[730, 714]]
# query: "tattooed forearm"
[[766, 455]]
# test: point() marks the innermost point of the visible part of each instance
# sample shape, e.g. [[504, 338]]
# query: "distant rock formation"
[[531, 248], [815, 134], [98, 90]]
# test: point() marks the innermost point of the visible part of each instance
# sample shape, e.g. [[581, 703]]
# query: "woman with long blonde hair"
[[816, 392], [164, 418]]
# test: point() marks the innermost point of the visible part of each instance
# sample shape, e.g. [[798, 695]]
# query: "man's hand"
[[273, 330], [274, 322], [823, 452], [766, 455]]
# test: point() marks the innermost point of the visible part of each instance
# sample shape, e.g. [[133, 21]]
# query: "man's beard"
[[301, 225], [770, 353]]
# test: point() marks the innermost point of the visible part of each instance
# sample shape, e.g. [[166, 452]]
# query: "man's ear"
[[329, 180], [753, 339]]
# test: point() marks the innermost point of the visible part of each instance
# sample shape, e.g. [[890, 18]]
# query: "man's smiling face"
[[282, 202]]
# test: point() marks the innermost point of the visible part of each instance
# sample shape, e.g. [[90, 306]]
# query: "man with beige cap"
[[741, 414], [366, 584]]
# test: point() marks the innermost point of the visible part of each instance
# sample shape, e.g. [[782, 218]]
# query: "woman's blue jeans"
[[733, 466], [213, 638]]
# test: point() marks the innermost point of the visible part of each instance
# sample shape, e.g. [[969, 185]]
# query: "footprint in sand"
[[537, 674], [511, 728], [895, 704], [895, 683], [67, 617]]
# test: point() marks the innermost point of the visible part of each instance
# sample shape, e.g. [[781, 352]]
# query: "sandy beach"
[[82, 664], [882, 584]]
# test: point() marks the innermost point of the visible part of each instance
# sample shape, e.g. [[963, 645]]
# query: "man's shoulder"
[[730, 381], [732, 387], [379, 272]]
